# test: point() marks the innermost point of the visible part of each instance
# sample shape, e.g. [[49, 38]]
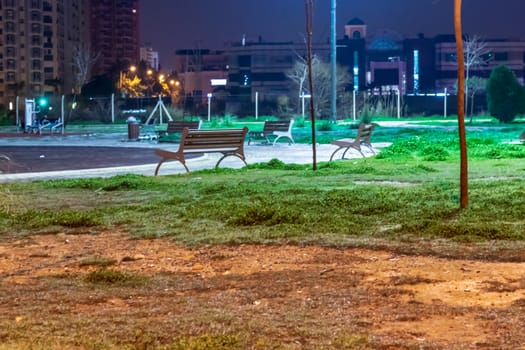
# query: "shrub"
[[325, 126], [505, 95]]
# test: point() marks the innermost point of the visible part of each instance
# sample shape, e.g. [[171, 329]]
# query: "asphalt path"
[[29, 159]]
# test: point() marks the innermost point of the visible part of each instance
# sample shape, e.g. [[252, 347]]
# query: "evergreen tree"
[[505, 95]]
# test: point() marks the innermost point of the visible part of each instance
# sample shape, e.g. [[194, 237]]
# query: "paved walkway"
[[255, 153]]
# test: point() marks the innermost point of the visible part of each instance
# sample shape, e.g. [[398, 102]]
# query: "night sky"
[[169, 25]]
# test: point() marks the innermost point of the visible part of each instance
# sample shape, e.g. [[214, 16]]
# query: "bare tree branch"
[[83, 62]]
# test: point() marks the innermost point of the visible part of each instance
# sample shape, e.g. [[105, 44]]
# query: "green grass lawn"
[[408, 193]]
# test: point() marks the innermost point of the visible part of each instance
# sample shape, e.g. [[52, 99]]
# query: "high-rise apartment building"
[[115, 34], [36, 41]]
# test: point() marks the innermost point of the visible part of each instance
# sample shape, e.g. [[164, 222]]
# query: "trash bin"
[[133, 129]]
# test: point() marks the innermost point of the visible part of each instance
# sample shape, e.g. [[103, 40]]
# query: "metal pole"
[[445, 104], [256, 105], [398, 104], [17, 111], [62, 114], [112, 108], [353, 105], [161, 104], [209, 107], [333, 59], [302, 104]]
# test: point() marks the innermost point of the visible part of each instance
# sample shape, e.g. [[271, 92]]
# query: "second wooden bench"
[[275, 129], [176, 126]]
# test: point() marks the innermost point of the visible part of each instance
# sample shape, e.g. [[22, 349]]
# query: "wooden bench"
[[275, 129], [176, 126], [363, 137], [229, 142]]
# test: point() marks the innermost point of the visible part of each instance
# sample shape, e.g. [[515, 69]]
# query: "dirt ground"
[[290, 296]]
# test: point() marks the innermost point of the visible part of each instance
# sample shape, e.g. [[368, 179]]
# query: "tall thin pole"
[[461, 107], [398, 104], [256, 105], [445, 104], [333, 61], [354, 115], [112, 109], [62, 113], [309, 33], [17, 111], [209, 106]]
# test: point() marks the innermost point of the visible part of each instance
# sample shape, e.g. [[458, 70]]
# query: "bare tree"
[[321, 76], [83, 62], [461, 106], [475, 50], [299, 74], [473, 86]]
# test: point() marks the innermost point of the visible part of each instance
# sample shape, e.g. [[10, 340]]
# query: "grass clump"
[[115, 183], [209, 341], [265, 213], [97, 261], [66, 218], [111, 277]]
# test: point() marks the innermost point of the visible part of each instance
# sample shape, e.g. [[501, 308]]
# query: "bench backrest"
[[271, 126], [213, 139], [176, 126], [364, 133]]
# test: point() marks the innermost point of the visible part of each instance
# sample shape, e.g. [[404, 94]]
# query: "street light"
[[209, 105]]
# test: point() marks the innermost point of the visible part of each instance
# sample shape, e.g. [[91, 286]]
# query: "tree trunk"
[[309, 30], [461, 106]]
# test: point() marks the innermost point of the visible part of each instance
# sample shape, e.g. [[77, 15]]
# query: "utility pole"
[[333, 62]]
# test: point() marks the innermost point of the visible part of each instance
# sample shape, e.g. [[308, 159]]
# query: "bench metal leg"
[[288, 137], [165, 159], [357, 149], [333, 154], [344, 152], [224, 155]]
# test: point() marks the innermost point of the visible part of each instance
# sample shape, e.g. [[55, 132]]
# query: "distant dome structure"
[[355, 29], [385, 40], [355, 22]]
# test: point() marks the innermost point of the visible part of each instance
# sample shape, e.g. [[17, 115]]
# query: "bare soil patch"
[[273, 296]]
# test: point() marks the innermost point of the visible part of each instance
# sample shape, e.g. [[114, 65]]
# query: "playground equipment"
[[160, 107]]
